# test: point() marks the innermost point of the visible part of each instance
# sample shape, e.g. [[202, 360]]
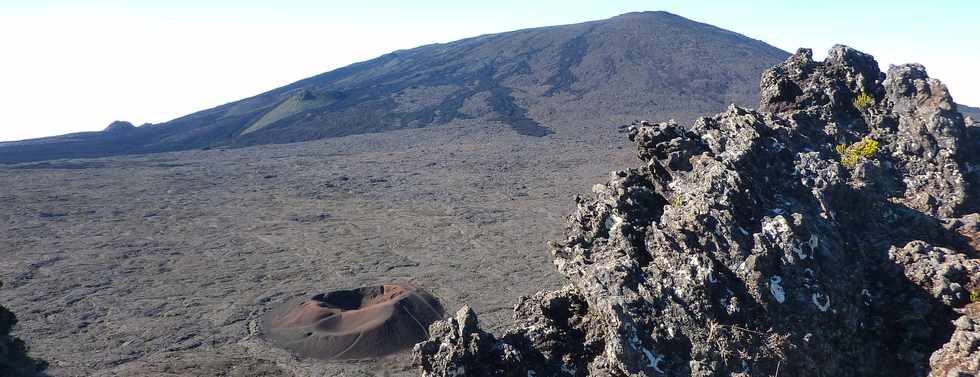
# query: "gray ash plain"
[[163, 264]]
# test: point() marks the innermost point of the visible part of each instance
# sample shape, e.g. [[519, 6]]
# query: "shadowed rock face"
[[531, 81], [354, 324], [14, 361], [961, 355], [759, 241]]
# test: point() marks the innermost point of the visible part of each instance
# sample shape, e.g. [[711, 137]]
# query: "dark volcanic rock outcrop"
[[831, 233], [533, 81], [961, 355], [14, 361]]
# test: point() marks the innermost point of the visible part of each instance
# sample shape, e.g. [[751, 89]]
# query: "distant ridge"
[[969, 111], [532, 80]]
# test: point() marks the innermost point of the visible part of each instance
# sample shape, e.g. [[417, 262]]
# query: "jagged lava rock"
[[961, 355], [744, 246]]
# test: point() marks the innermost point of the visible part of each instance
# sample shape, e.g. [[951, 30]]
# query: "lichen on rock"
[[743, 246]]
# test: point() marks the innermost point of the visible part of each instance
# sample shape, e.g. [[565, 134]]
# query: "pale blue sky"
[[69, 66]]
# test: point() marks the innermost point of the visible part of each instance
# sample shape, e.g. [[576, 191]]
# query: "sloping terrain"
[[637, 65]]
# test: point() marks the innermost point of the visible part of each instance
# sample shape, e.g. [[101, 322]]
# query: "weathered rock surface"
[[961, 355], [946, 275], [832, 232]]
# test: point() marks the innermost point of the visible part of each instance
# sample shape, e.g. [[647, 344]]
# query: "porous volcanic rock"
[[961, 355], [830, 233]]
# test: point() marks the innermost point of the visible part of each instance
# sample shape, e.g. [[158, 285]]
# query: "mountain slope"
[[531, 80]]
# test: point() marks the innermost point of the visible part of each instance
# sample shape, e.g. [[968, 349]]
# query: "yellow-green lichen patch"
[[863, 101], [850, 155]]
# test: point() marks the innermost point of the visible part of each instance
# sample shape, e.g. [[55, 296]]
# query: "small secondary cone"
[[360, 323]]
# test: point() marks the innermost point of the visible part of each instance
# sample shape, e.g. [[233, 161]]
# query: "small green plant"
[[974, 296], [863, 101], [851, 154]]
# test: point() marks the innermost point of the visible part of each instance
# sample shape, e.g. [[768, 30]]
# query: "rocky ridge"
[[832, 232]]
